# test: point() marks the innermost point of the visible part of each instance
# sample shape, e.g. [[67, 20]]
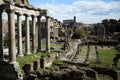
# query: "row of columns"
[[12, 40]]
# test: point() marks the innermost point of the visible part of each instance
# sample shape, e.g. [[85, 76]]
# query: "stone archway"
[[115, 60]]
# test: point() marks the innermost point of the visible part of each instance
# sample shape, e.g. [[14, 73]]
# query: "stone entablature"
[[23, 10]]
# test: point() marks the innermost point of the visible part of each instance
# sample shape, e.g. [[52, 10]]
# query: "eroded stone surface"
[[10, 71]]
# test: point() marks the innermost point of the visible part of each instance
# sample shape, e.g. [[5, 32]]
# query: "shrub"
[[103, 42], [109, 42], [118, 48]]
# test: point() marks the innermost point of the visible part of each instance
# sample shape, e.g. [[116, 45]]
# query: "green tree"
[[79, 33]]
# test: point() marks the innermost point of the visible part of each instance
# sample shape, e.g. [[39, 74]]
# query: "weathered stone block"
[[28, 68], [107, 71], [36, 65], [42, 63], [10, 71]]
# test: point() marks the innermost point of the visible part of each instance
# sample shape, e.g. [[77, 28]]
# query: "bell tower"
[[74, 19]]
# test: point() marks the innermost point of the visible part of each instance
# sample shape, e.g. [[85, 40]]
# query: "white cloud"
[[87, 11]]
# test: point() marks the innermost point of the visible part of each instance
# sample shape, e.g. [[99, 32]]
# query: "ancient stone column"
[[33, 34], [19, 35], [1, 38], [39, 33], [47, 34], [27, 35], [12, 44]]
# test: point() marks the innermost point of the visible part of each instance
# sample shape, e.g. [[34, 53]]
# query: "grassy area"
[[56, 46], [106, 57], [52, 45], [35, 56], [29, 58], [103, 77]]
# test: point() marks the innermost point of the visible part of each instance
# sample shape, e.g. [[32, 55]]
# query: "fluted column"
[[47, 34], [39, 33], [33, 34], [20, 54], [12, 44], [1, 38], [27, 35]]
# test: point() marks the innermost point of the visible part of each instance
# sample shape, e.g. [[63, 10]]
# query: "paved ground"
[[82, 55], [69, 55], [92, 55]]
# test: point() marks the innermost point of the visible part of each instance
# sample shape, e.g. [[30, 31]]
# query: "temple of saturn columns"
[[22, 8]]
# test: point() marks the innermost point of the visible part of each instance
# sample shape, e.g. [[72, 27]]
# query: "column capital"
[[10, 10], [39, 17], [33, 16], [18, 14], [47, 17], [26, 15]]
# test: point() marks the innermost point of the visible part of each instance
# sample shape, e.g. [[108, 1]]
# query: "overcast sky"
[[86, 11]]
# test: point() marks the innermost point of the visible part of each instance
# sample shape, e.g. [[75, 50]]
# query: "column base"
[[39, 50], [12, 62], [28, 53], [34, 51], [48, 50], [20, 55], [98, 61]]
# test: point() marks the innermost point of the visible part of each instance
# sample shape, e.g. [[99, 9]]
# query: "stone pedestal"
[[10, 71], [28, 68]]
